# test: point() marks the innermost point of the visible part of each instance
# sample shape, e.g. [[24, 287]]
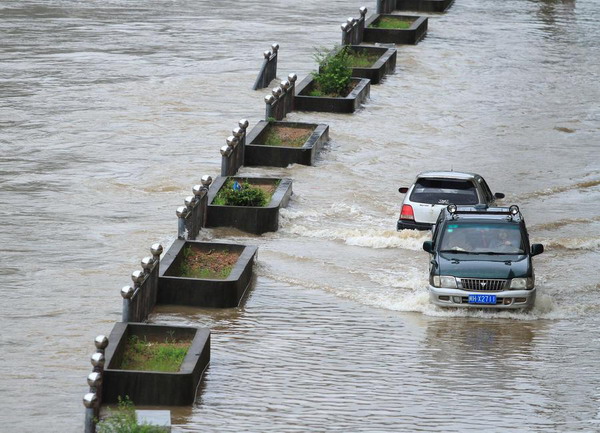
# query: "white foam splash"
[[558, 189], [363, 237], [408, 293], [412, 279], [573, 243]]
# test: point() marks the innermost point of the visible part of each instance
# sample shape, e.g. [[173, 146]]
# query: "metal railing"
[[353, 29], [93, 399], [139, 299], [232, 154], [192, 216], [281, 100], [268, 71]]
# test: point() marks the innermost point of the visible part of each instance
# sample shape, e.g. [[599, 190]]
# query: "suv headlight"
[[522, 283], [444, 281]]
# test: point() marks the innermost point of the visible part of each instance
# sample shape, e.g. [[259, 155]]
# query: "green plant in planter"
[[392, 23], [247, 195], [334, 75], [123, 420], [213, 264], [141, 354], [362, 60]]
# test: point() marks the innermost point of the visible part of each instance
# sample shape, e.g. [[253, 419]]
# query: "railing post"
[[232, 142], [241, 133], [273, 64], [346, 37], [285, 99], [360, 27], [90, 401], [181, 213], [269, 101], [351, 29], [278, 94], [156, 250], [292, 78], [206, 181], [127, 293], [138, 278], [225, 152]]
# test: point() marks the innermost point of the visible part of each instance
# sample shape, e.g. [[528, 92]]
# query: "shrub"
[[334, 71], [248, 195], [123, 420]]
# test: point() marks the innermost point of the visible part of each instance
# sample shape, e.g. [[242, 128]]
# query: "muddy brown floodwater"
[[111, 110]]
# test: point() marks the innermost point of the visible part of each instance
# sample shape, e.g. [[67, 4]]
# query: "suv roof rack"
[[482, 209]]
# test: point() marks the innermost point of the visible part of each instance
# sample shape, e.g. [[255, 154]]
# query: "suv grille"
[[481, 285]]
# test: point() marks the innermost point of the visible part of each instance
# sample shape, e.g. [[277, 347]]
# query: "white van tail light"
[[407, 213]]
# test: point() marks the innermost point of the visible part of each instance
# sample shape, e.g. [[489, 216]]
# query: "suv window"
[[485, 237], [443, 191], [486, 190]]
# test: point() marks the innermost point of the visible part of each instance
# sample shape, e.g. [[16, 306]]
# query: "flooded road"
[[110, 112]]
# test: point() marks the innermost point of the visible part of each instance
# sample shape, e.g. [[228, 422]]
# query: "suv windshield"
[[443, 191], [482, 238]]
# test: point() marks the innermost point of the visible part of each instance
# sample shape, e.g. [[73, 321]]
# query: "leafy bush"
[[248, 195], [334, 73], [123, 420]]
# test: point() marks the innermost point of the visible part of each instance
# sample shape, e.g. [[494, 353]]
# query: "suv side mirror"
[[537, 249], [428, 246], [403, 190], [499, 195]]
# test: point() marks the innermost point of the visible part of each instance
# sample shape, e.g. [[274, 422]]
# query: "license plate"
[[482, 299]]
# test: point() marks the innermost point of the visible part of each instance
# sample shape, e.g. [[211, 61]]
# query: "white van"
[[433, 191]]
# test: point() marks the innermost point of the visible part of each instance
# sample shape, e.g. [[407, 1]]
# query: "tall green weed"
[[335, 72]]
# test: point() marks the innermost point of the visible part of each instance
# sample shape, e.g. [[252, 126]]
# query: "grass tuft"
[[362, 60], [392, 23], [123, 420], [206, 265], [144, 355]]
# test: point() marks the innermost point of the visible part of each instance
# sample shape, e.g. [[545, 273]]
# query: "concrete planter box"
[[282, 156], [347, 104], [412, 35], [153, 387], [386, 64], [251, 219], [423, 5], [212, 293]]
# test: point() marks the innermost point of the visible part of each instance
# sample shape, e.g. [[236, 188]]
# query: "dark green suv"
[[481, 257]]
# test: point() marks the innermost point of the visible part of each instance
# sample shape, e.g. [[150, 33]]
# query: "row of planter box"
[[227, 290]]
